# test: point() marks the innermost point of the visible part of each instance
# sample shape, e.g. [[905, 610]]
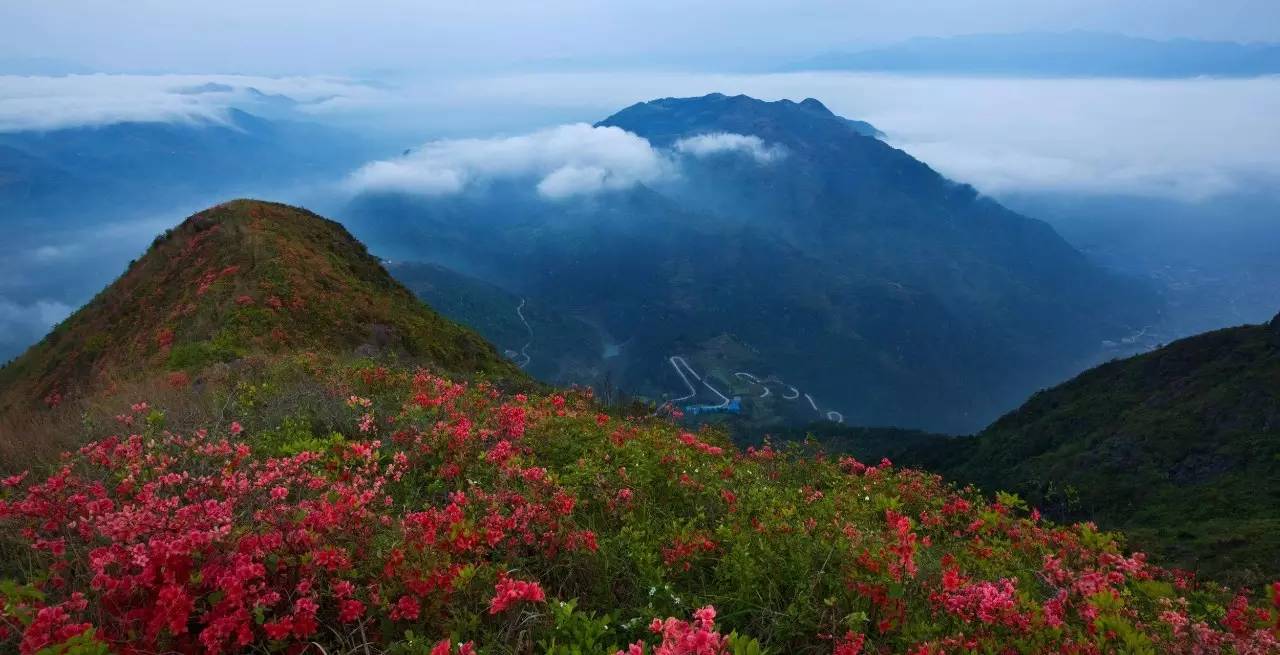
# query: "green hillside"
[[1179, 448], [239, 280]]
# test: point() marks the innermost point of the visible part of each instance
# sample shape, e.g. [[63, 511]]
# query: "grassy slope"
[[241, 278]]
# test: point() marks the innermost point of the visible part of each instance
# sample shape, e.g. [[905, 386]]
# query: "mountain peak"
[[241, 278], [666, 120], [812, 104]]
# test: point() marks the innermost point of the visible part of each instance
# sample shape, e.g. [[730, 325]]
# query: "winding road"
[[681, 366], [791, 394], [677, 362], [524, 350], [755, 380]]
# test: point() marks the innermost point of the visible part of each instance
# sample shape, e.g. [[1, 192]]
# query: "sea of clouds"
[[34, 103], [1185, 139]]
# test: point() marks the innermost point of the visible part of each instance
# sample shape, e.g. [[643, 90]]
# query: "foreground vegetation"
[[392, 510]]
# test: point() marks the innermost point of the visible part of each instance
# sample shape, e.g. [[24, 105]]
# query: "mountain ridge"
[[1074, 53]]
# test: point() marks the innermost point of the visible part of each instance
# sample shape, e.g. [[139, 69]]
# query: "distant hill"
[[239, 279], [1058, 54], [155, 164], [841, 268], [1179, 448]]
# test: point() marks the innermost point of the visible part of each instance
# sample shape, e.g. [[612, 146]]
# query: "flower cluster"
[[696, 637], [199, 543], [509, 592]]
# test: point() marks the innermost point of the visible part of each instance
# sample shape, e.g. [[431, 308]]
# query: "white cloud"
[[1185, 139], [573, 180], [706, 145], [53, 253], [49, 103], [562, 161]]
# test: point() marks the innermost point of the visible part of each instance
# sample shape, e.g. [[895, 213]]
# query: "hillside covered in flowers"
[[443, 517], [305, 495]]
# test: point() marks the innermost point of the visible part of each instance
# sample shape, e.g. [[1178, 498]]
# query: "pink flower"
[[406, 609], [512, 420], [509, 591], [350, 610], [280, 629], [697, 637], [851, 644]]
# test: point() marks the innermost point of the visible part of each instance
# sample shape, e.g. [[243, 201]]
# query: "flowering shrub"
[[697, 637], [443, 517]]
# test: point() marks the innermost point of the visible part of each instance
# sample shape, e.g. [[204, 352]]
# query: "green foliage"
[[294, 435], [740, 645], [85, 643], [199, 354], [575, 632]]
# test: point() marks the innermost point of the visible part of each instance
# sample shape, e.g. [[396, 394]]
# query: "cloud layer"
[[49, 103], [561, 162], [1184, 139], [1187, 139], [706, 145]]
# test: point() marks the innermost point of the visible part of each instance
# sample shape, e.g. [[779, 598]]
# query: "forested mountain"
[[791, 246]]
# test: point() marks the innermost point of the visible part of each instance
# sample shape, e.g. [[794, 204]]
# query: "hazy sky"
[[327, 36]]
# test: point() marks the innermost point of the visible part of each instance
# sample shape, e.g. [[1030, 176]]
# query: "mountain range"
[[1076, 54], [155, 164], [823, 262]]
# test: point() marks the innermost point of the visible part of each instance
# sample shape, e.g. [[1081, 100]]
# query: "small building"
[[732, 407]]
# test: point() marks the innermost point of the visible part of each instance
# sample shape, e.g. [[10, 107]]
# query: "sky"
[[383, 36]]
